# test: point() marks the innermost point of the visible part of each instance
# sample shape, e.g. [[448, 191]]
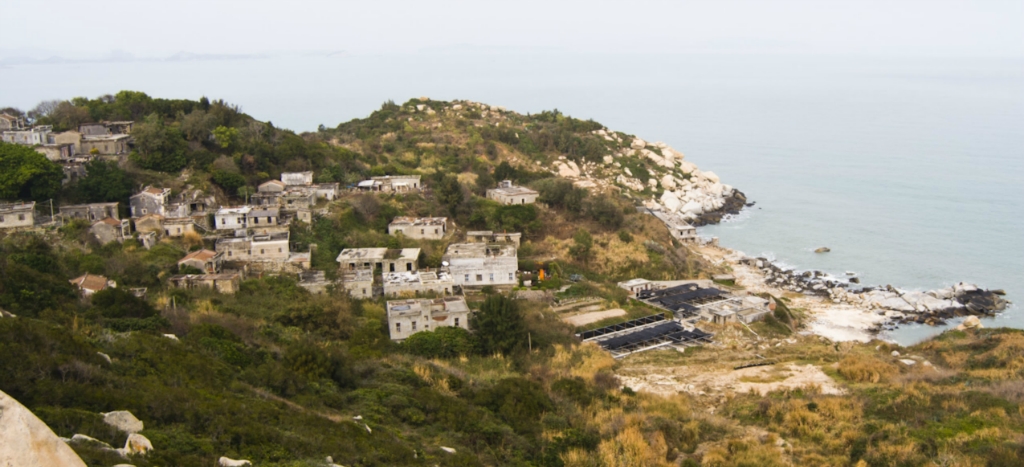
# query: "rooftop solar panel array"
[[586, 335]]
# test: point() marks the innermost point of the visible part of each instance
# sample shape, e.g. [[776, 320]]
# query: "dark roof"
[[620, 327], [670, 331]]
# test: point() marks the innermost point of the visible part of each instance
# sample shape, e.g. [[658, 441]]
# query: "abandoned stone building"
[[507, 193], [106, 145], [487, 236], [108, 230], [177, 226], [88, 284], [225, 283], [232, 218], [387, 260], [151, 200], [263, 217], [297, 178], [359, 283], [90, 212], [17, 215], [424, 228], [407, 317], [636, 286], [207, 261], [677, 226], [480, 264]]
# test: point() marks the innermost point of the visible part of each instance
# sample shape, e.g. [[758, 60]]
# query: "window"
[[223, 221], [467, 277], [456, 322], [511, 276], [262, 251], [408, 266], [413, 325], [1, 218], [229, 253], [255, 220], [143, 210], [278, 250], [492, 277], [479, 277], [179, 229], [422, 231], [398, 326], [435, 231], [364, 294], [168, 232]]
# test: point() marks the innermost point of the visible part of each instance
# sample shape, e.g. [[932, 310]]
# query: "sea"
[[909, 169]]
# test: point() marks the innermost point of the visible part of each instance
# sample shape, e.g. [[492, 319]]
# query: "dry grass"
[[866, 368]]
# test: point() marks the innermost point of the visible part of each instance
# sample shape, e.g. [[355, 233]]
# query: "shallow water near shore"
[[908, 169]]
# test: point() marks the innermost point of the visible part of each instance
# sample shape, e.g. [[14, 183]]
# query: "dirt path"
[[698, 380], [593, 317]]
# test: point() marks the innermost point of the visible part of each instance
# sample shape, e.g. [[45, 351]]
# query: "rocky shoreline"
[[932, 307], [731, 205]]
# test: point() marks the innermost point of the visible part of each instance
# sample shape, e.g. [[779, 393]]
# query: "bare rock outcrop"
[[28, 442]]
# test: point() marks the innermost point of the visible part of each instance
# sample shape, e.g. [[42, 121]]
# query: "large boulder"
[[670, 201], [123, 420], [668, 182], [228, 462], [137, 444], [972, 322], [711, 177], [638, 143], [25, 441]]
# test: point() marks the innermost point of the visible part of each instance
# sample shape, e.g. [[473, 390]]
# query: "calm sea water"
[[908, 169]]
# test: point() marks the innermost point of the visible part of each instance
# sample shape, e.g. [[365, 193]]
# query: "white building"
[[487, 236], [18, 214], [407, 317], [479, 264], [392, 184], [429, 228], [232, 218], [358, 283], [507, 193], [297, 178], [404, 260], [411, 284]]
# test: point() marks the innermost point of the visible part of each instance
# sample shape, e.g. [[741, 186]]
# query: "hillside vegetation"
[[282, 377]]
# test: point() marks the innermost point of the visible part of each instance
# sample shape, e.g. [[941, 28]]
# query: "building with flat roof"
[[426, 228], [227, 283], [151, 200], [677, 226], [91, 212], [232, 218], [387, 260], [407, 317], [507, 193], [391, 184], [359, 283], [411, 284], [480, 264], [297, 178], [17, 214], [487, 236]]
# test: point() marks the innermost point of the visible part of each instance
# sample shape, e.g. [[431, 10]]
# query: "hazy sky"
[[76, 28]]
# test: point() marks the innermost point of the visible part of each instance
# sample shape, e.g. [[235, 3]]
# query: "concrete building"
[[359, 283], [297, 178], [209, 262], [479, 264], [263, 217], [57, 152], [328, 191], [106, 128], [150, 223], [404, 260], [507, 193], [637, 286], [271, 186], [151, 200], [227, 283], [9, 122], [177, 226], [487, 236], [17, 214], [314, 281], [235, 218], [428, 228], [90, 212], [272, 247], [234, 249], [89, 284], [39, 134], [677, 226], [412, 284], [407, 317], [391, 184], [111, 230], [107, 145]]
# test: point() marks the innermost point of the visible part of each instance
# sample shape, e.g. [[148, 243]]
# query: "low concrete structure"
[[507, 193], [263, 217], [151, 200], [479, 264], [412, 284], [314, 281], [636, 286], [232, 218], [487, 236], [17, 215], [677, 226], [428, 228], [150, 223], [224, 283], [89, 284], [297, 178], [359, 283], [404, 260], [208, 261], [106, 145], [177, 226], [272, 186], [391, 184], [407, 317], [91, 212], [57, 152]]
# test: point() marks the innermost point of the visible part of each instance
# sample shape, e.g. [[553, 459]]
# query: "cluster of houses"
[[71, 149]]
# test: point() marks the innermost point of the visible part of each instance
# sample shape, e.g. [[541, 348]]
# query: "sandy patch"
[[593, 317], [702, 381]]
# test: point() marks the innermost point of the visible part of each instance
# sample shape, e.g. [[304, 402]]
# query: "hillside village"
[[440, 283]]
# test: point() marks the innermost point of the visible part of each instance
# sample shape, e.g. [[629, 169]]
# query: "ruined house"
[[151, 200], [111, 230], [391, 184], [404, 260], [231, 218], [407, 317], [90, 212], [359, 283], [297, 178], [480, 264], [507, 193], [89, 284], [412, 284], [263, 217], [227, 283], [209, 262], [428, 228], [487, 236]]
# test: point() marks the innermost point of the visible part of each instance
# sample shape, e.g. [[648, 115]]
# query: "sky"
[[126, 30]]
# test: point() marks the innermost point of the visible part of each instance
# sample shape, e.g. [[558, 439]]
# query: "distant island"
[[443, 283]]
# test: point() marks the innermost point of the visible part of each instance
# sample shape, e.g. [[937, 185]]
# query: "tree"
[[499, 326], [229, 181], [583, 245], [197, 126], [505, 171], [158, 147], [225, 136], [67, 116], [449, 192], [26, 174], [104, 182], [43, 109]]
